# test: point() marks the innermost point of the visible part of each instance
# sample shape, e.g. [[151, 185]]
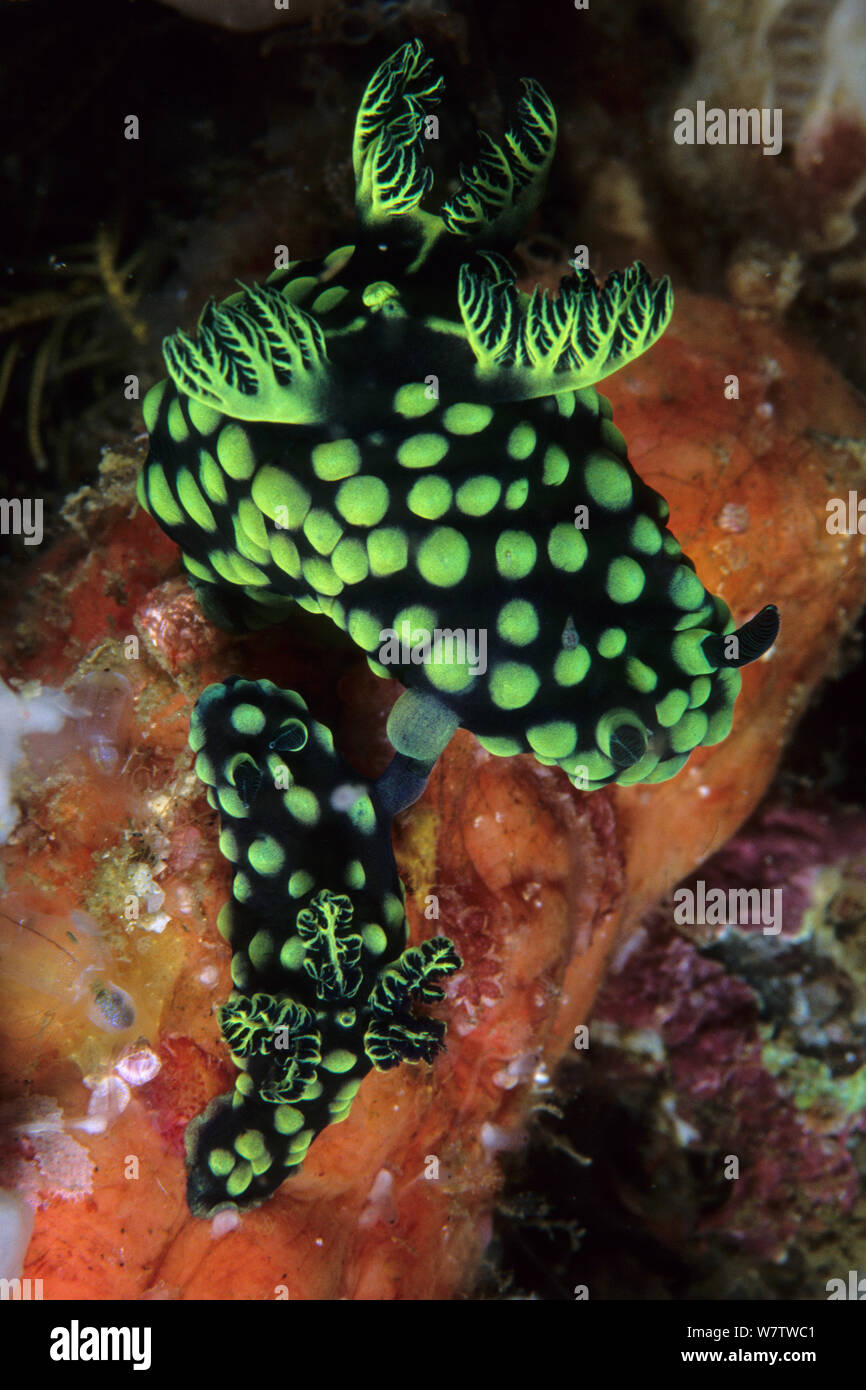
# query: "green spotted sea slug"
[[324, 980], [396, 437]]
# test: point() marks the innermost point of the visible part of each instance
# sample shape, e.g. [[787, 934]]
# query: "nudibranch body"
[[323, 977], [398, 438]]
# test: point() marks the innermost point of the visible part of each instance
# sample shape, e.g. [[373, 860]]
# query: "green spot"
[[302, 804], [443, 557], [302, 1142], [689, 732], [321, 530], [570, 667], [151, 403], [374, 939], [355, 876], [292, 953], [500, 747], [224, 922], [284, 554], [421, 622], [685, 589], [521, 441], [349, 561], [671, 709], [640, 676], [451, 679], [287, 1119], [667, 769], [465, 418], [329, 299], [250, 1144], [688, 653], [237, 570], [231, 803], [567, 548], [161, 498], [177, 426], [671, 547], [239, 1179], [242, 889], [556, 466], [516, 553], [388, 550], [612, 438], [260, 951], [300, 883], [518, 622], [235, 452], [430, 498], [363, 501], [625, 580], [220, 1162], [362, 815], [341, 458], [266, 855], [198, 571], [394, 910], [228, 844], [299, 289], [203, 418], [412, 400], [364, 629], [240, 970], [720, 723], [248, 719], [512, 684], [253, 527], [598, 767], [479, 495], [280, 496], [339, 1060], [699, 691], [422, 450], [320, 575], [516, 494], [611, 643], [141, 493], [205, 770], [608, 482], [554, 740], [645, 536]]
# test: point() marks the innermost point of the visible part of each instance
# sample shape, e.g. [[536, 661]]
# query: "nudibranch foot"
[[324, 981]]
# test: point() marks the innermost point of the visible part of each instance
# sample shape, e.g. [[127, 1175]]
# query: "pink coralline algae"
[[753, 1039]]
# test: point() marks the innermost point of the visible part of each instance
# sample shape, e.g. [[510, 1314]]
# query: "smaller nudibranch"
[[324, 980]]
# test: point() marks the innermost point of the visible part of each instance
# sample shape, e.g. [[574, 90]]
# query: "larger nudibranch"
[[396, 437]]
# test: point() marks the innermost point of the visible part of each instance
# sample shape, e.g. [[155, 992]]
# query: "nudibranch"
[[324, 980], [398, 438]]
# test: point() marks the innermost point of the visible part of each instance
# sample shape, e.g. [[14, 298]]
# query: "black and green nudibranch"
[[324, 979], [395, 436]]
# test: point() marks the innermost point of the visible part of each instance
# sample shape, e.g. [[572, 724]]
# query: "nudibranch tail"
[[324, 981], [747, 643]]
